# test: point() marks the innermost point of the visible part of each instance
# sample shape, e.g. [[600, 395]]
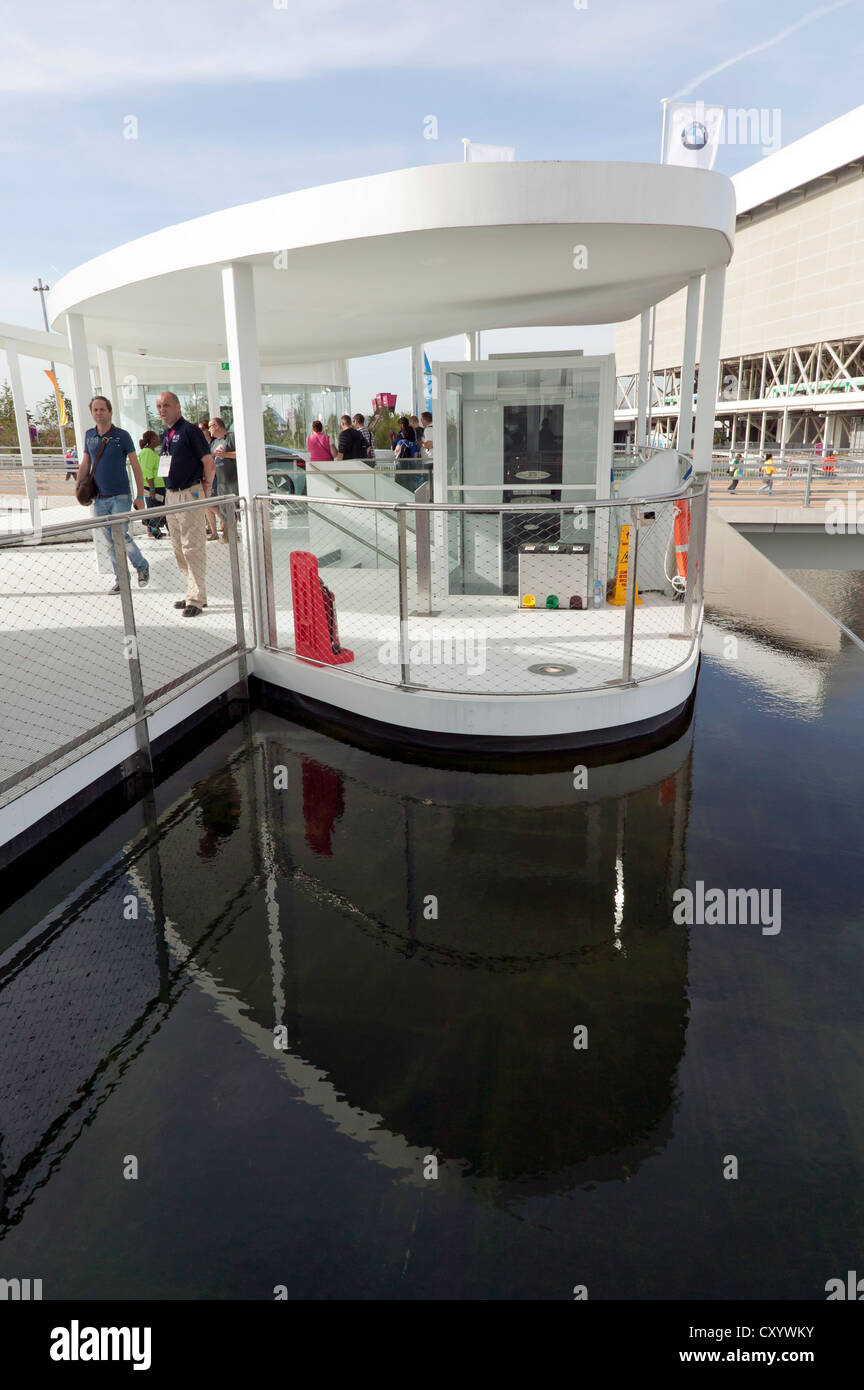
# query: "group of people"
[[767, 469], [189, 462], [413, 439], [355, 441], [185, 463]]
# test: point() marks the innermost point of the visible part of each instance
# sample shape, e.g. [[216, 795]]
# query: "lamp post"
[[40, 289]]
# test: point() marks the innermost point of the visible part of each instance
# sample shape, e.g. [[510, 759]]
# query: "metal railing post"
[[808, 483], [695, 556], [703, 550], [229, 521], [423, 541], [630, 605], [401, 523], [267, 598], [130, 648]]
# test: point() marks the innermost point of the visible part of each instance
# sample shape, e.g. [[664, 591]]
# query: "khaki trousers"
[[189, 538]]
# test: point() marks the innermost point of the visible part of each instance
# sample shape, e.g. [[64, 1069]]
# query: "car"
[[286, 470]]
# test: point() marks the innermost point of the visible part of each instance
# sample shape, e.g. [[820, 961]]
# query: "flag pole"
[[666, 101]]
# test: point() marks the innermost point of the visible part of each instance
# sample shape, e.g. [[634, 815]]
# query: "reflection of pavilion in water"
[[413, 1033]]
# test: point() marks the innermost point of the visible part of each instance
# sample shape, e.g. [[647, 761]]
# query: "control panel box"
[[559, 569]]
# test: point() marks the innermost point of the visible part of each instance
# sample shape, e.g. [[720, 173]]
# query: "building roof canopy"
[[372, 264]]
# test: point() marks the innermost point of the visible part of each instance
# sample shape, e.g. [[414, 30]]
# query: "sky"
[[235, 100]]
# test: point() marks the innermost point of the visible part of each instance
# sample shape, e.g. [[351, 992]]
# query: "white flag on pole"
[[488, 154], [694, 133]]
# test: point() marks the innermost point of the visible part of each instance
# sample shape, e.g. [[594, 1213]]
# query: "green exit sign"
[[224, 366]]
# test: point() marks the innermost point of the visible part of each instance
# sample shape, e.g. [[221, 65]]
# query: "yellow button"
[[529, 601]]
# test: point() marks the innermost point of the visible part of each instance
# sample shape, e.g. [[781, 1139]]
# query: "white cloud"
[[95, 48], [760, 47]]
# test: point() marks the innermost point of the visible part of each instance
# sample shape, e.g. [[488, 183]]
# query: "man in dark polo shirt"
[[185, 452]]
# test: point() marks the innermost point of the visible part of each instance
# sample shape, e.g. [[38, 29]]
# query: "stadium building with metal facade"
[[792, 345]]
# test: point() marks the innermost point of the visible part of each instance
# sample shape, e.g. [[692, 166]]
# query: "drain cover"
[[551, 668]]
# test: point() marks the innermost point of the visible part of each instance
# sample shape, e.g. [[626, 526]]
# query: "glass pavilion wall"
[[288, 410]]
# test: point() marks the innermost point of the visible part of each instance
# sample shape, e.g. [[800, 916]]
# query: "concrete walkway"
[[63, 659]]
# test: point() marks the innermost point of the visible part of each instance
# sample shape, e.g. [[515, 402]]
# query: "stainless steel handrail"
[[93, 523], [696, 492], [507, 508]]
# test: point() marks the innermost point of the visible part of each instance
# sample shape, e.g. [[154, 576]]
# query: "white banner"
[[693, 134], [488, 154]]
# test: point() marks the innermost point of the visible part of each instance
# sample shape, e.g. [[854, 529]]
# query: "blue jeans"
[[107, 506]]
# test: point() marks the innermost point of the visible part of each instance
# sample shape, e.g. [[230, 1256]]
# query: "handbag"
[[85, 488]]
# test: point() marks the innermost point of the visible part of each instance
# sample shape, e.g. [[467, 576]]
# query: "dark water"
[[839, 592], [429, 940]]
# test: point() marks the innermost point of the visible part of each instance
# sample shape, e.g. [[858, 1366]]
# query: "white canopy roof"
[[372, 264]]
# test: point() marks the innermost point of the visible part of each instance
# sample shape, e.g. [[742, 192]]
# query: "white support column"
[[688, 368], [106, 373], [828, 435], [80, 378], [242, 335], [23, 428], [471, 347], [213, 375], [784, 431], [132, 408], [416, 378], [642, 393], [709, 369], [762, 431]]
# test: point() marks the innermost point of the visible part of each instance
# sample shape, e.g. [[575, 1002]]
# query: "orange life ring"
[[681, 513]]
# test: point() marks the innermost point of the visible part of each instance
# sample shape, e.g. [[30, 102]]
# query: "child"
[[148, 458], [768, 471]]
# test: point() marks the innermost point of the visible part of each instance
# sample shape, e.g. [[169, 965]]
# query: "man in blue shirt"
[[185, 452], [111, 481]]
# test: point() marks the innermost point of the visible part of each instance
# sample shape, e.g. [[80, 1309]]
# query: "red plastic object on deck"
[[316, 634]]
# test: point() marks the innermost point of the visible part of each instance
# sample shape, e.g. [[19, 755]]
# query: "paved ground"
[[786, 492], [63, 663], [49, 482]]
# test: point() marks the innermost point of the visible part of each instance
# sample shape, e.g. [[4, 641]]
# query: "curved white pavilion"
[[378, 263]]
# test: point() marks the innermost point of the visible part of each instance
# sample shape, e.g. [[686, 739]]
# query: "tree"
[[194, 405], [274, 430], [386, 423], [47, 418], [8, 429]]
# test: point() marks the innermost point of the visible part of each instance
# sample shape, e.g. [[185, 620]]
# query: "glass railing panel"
[[353, 551], [503, 599]]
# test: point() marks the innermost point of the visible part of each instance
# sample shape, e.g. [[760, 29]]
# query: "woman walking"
[[318, 444]]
